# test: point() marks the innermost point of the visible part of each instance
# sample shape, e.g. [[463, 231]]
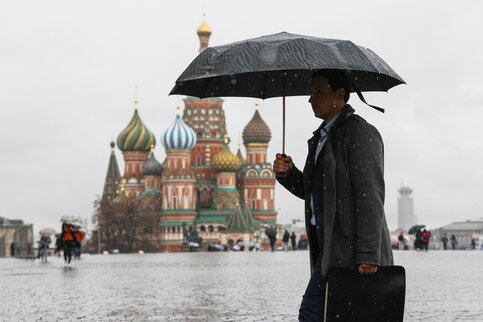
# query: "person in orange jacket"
[[68, 239]]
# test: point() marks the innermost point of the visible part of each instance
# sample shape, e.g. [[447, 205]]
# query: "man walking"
[[444, 240], [285, 239], [343, 187], [293, 241]]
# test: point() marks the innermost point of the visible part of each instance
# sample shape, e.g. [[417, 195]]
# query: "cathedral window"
[[266, 173], [203, 228], [210, 228], [254, 204], [174, 203]]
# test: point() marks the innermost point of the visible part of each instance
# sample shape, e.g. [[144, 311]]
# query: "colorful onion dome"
[[136, 136], [256, 131], [151, 167], [225, 160], [178, 136], [204, 29]]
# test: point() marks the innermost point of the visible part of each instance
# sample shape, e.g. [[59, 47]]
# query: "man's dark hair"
[[336, 79]]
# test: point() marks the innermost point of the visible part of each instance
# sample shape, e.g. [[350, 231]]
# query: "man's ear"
[[341, 94]]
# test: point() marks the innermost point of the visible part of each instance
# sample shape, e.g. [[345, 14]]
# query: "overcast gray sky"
[[68, 71]]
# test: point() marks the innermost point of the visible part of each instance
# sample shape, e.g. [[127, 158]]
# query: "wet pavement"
[[441, 286]]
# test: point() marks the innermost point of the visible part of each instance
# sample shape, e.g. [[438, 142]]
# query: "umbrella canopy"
[[281, 65], [414, 229], [47, 232]]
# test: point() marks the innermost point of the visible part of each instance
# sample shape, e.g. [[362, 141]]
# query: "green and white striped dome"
[[136, 136]]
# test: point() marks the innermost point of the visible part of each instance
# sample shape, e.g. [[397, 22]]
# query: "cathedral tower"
[[113, 177], [204, 33], [135, 142], [226, 164], [207, 118], [178, 179], [258, 180]]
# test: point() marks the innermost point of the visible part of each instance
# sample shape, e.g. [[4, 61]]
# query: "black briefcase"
[[377, 297]]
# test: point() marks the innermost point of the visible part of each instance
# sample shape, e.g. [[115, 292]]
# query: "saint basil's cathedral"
[[201, 186]]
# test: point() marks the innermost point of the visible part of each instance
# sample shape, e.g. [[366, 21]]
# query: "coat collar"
[[343, 116]]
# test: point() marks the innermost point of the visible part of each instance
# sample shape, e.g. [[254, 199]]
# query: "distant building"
[[405, 209], [464, 231], [16, 238]]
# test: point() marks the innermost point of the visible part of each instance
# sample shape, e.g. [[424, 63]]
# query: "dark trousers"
[[313, 302], [67, 245]]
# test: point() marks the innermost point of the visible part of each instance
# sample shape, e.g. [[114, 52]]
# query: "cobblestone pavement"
[[441, 286]]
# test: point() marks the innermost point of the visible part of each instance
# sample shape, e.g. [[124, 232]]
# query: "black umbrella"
[[414, 229], [281, 65]]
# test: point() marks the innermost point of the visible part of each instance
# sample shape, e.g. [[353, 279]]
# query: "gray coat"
[[354, 229]]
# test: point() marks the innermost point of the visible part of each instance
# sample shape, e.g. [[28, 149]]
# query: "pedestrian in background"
[[285, 240], [400, 241], [444, 240], [453, 241], [272, 237], [425, 239], [293, 241], [68, 239]]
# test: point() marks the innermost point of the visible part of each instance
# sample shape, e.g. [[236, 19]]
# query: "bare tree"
[[124, 226]]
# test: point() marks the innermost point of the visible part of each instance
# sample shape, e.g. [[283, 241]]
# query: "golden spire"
[[152, 148], [257, 105], [136, 97], [122, 187], [225, 139], [178, 110]]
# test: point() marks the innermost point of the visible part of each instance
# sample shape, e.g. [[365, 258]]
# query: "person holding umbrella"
[[342, 181], [343, 187], [68, 239]]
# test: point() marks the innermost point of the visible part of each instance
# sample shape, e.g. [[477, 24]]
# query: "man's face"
[[322, 99]]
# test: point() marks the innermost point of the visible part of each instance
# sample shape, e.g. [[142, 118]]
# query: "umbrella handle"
[[283, 126]]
